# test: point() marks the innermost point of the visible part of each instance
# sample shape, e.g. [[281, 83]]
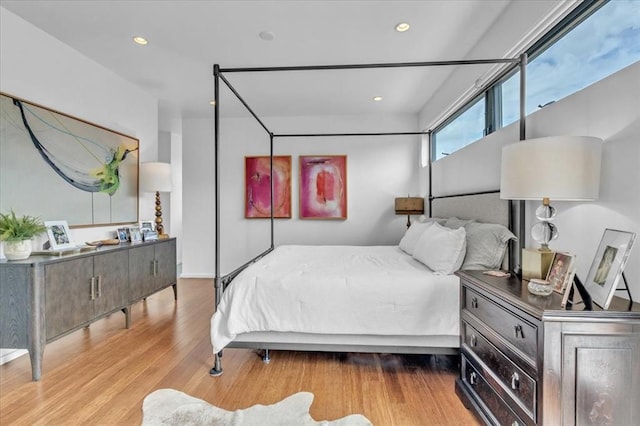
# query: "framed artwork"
[[123, 235], [135, 235], [323, 187], [257, 185], [59, 235], [53, 165], [608, 265]]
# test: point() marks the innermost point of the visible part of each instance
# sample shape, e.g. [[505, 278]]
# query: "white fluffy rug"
[[172, 407]]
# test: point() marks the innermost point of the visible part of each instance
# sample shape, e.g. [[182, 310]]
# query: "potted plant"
[[17, 233]]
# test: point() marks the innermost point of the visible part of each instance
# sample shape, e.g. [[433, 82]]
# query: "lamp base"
[[536, 263]]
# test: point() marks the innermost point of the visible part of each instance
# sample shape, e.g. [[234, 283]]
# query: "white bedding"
[[372, 290]]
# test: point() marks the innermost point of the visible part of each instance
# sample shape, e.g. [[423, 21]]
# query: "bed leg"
[[217, 366], [265, 357]]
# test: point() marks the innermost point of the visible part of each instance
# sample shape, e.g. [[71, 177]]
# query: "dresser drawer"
[[518, 384], [494, 405], [520, 333]]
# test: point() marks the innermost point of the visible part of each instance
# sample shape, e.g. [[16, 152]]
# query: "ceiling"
[[187, 37]]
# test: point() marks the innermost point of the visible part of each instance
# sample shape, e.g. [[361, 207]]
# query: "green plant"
[[14, 228]]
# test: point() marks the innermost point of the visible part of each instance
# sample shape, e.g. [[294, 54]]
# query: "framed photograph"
[[150, 236], [323, 187], [561, 272], [123, 235], [257, 187], [608, 265], [59, 235], [147, 225], [134, 234]]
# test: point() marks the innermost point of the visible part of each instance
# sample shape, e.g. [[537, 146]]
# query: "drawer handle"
[[519, 332], [93, 288], [474, 303], [473, 378], [473, 341], [515, 381], [99, 279]]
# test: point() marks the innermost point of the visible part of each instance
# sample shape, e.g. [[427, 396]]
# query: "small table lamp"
[[156, 177], [409, 206], [565, 168]]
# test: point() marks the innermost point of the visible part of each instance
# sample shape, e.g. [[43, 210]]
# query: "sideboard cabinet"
[[46, 297], [526, 361]]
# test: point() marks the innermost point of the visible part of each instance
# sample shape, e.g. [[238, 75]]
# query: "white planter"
[[17, 250]]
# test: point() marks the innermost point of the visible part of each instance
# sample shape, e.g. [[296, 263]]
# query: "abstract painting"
[[258, 177], [57, 167], [323, 187]]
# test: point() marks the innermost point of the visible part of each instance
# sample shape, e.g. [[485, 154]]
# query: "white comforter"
[[374, 290]]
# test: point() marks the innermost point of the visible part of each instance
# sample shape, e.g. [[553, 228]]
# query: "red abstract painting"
[[323, 187], [258, 176]]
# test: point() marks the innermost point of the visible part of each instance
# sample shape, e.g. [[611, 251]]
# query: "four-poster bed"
[[256, 327]]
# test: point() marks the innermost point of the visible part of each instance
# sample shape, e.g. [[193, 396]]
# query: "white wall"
[[608, 109], [36, 67], [378, 170]]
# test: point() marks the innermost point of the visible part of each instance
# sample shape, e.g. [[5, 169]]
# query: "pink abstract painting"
[[323, 187], [258, 177]]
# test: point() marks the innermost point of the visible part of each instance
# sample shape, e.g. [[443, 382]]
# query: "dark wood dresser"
[[526, 361]]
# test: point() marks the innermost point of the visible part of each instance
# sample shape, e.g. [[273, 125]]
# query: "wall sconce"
[[156, 177], [409, 206]]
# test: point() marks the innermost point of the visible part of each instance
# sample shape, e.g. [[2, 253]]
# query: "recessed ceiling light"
[[377, 98], [140, 40], [402, 27], [267, 35]]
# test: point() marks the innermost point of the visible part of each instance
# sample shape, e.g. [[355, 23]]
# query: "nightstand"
[[526, 361]]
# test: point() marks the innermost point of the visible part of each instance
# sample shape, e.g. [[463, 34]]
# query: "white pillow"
[[441, 249], [411, 237]]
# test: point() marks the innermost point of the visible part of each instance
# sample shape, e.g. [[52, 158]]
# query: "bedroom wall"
[[379, 169], [609, 109], [39, 68]]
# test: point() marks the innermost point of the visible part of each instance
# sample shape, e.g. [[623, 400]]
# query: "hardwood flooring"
[[101, 374]]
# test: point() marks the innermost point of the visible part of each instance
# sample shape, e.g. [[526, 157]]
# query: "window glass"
[[602, 44], [461, 131]]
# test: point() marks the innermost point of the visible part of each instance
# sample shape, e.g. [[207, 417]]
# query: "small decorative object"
[[17, 232], [608, 265], [257, 180], [59, 235], [147, 225], [123, 235], [134, 234], [540, 287], [150, 236], [323, 187]]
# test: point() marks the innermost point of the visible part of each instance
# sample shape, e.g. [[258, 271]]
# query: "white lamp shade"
[[557, 167], [155, 177]]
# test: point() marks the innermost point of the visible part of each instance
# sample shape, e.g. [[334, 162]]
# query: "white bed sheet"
[[358, 290]]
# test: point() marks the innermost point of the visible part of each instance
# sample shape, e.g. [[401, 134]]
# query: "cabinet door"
[[166, 264], [141, 271], [112, 281], [68, 295]]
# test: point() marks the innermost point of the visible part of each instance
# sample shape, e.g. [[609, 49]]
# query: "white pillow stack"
[[441, 249], [413, 234]]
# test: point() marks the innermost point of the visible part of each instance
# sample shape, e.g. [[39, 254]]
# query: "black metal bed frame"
[[221, 282]]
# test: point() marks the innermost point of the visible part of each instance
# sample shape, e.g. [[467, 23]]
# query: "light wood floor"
[[101, 374]]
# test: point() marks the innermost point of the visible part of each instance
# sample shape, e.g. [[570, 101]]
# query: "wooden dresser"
[[43, 298], [526, 361]]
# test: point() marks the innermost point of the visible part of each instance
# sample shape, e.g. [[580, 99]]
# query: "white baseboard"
[[183, 275], [7, 355]]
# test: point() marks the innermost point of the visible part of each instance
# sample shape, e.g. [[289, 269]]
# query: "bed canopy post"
[[523, 135], [429, 145], [217, 365], [272, 188]]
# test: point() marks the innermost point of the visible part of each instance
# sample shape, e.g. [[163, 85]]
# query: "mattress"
[[338, 290]]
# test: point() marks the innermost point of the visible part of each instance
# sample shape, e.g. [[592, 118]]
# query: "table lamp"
[[156, 177], [409, 205], [563, 168]]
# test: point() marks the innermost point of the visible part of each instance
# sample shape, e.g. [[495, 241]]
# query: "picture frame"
[[608, 264], [59, 234], [323, 187], [561, 272], [150, 236], [123, 235], [134, 234], [257, 187], [147, 225]]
